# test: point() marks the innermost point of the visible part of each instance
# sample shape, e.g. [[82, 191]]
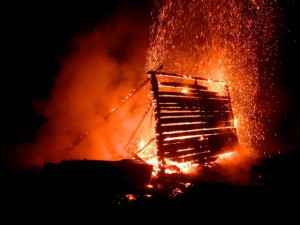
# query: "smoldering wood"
[[182, 144], [179, 154], [181, 85], [207, 117], [218, 141], [189, 107], [197, 132]]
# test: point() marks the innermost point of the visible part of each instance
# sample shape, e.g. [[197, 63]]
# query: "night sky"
[[38, 36]]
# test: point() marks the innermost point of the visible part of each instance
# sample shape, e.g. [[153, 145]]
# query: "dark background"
[[34, 39], [36, 36]]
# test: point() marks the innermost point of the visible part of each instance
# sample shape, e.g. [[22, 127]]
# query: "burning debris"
[[194, 123], [194, 126]]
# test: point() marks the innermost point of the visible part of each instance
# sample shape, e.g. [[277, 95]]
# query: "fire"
[[235, 122], [142, 144], [185, 91], [218, 40], [225, 155], [222, 40], [130, 197], [183, 167], [149, 155]]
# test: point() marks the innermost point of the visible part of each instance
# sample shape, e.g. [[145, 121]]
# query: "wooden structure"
[[193, 122]]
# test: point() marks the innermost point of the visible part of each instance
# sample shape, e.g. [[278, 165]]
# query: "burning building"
[[194, 122]]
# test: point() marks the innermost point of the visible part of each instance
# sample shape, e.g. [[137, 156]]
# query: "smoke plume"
[[104, 66]]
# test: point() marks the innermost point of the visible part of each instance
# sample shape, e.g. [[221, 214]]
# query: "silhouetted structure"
[[193, 122]]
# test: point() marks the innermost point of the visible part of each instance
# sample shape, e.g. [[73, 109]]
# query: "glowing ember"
[[130, 197], [149, 186], [183, 167], [230, 40], [225, 155], [171, 166]]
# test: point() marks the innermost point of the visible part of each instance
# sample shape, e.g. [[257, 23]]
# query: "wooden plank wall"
[[193, 123]]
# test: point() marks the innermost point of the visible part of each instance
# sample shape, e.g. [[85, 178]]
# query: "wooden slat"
[[212, 142], [194, 102], [194, 126], [186, 77], [197, 132], [186, 119], [200, 158], [191, 107], [202, 95], [181, 85], [187, 143], [178, 108], [194, 93], [180, 114], [161, 93], [219, 115], [217, 142], [197, 158], [205, 93], [178, 99], [178, 154]]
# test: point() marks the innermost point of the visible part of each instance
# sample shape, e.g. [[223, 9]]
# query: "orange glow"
[[235, 122], [149, 186], [86, 88], [213, 45], [185, 91], [150, 157], [227, 155], [142, 144], [130, 197], [184, 167]]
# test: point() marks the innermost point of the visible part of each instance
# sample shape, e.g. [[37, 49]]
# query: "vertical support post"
[[231, 116], [158, 131], [198, 108]]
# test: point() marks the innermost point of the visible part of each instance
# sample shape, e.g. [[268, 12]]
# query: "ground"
[[275, 195]]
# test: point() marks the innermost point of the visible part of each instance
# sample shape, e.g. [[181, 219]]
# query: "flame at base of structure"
[[188, 168], [194, 124]]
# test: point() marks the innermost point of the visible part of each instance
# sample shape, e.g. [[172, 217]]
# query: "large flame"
[[233, 41]]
